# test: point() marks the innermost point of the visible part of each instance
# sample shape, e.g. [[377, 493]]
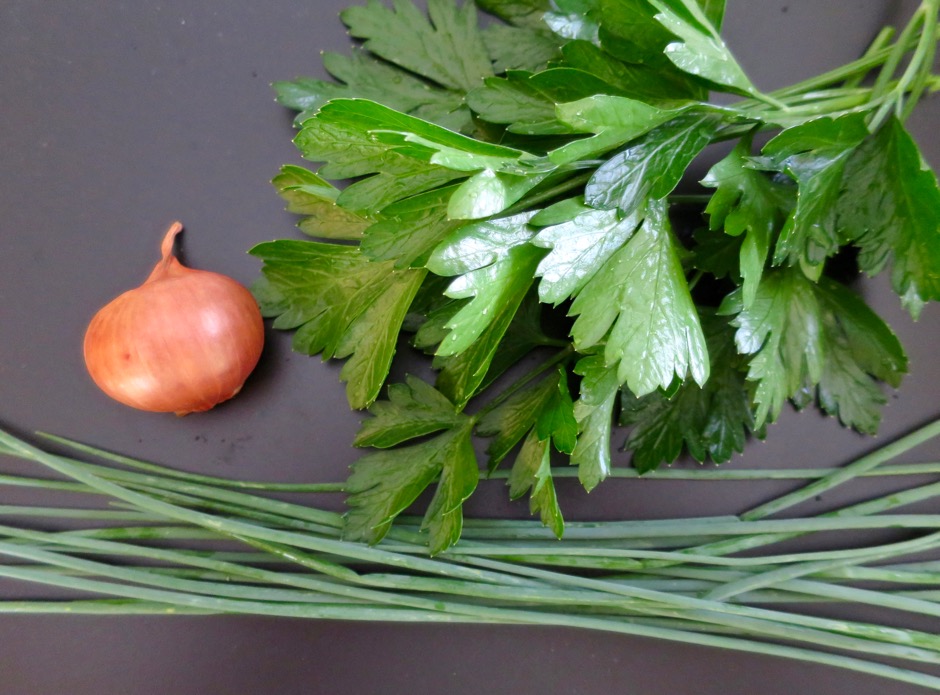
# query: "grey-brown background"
[[118, 117]]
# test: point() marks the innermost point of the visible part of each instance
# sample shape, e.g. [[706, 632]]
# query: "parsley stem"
[[881, 41], [548, 194], [924, 55], [869, 61], [918, 70], [520, 383]]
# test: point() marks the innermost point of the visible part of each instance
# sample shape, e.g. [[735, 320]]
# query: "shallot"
[[184, 341]]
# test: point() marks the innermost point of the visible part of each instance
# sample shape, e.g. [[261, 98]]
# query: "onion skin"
[[183, 342]]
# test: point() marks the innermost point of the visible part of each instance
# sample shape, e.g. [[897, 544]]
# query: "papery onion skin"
[[183, 342]]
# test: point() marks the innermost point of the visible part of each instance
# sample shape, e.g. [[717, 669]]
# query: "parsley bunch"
[[511, 202]]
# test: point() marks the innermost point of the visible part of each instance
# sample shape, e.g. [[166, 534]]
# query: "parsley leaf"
[[345, 143], [641, 297], [413, 409], [814, 155], [517, 12], [410, 229], [890, 207], [519, 48], [700, 51], [526, 102], [532, 473], [309, 195], [489, 193], [497, 350], [508, 423], [556, 417], [448, 49], [593, 411], [860, 349], [367, 78], [815, 338], [748, 202], [629, 31], [579, 248], [341, 304], [384, 484], [782, 330], [495, 264], [710, 421], [652, 166], [613, 120], [633, 80]]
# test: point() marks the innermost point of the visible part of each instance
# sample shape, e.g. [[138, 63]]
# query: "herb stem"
[[740, 474], [525, 379], [918, 70], [841, 475], [548, 194], [137, 464]]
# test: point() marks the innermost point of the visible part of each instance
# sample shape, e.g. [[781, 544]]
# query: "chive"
[[502, 571]]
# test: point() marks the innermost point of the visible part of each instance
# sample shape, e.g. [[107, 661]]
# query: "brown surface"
[[115, 119]]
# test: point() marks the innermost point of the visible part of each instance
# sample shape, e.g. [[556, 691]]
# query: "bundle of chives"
[[683, 580]]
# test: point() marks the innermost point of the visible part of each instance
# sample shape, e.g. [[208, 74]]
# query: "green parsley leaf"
[[579, 248], [641, 296], [496, 264], [368, 78], [489, 193], [717, 253], [526, 102], [524, 335], [309, 195], [520, 48], [814, 155], [532, 473], [508, 339], [462, 375], [748, 202], [410, 229], [413, 409], [417, 138], [508, 423], [556, 417], [524, 13], [511, 99], [593, 411], [574, 20], [341, 305], [338, 137], [860, 349], [630, 32], [714, 10], [782, 329], [652, 166], [633, 80], [614, 121], [384, 484], [448, 49], [560, 212], [890, 207], [700, 51], [710, 421]]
